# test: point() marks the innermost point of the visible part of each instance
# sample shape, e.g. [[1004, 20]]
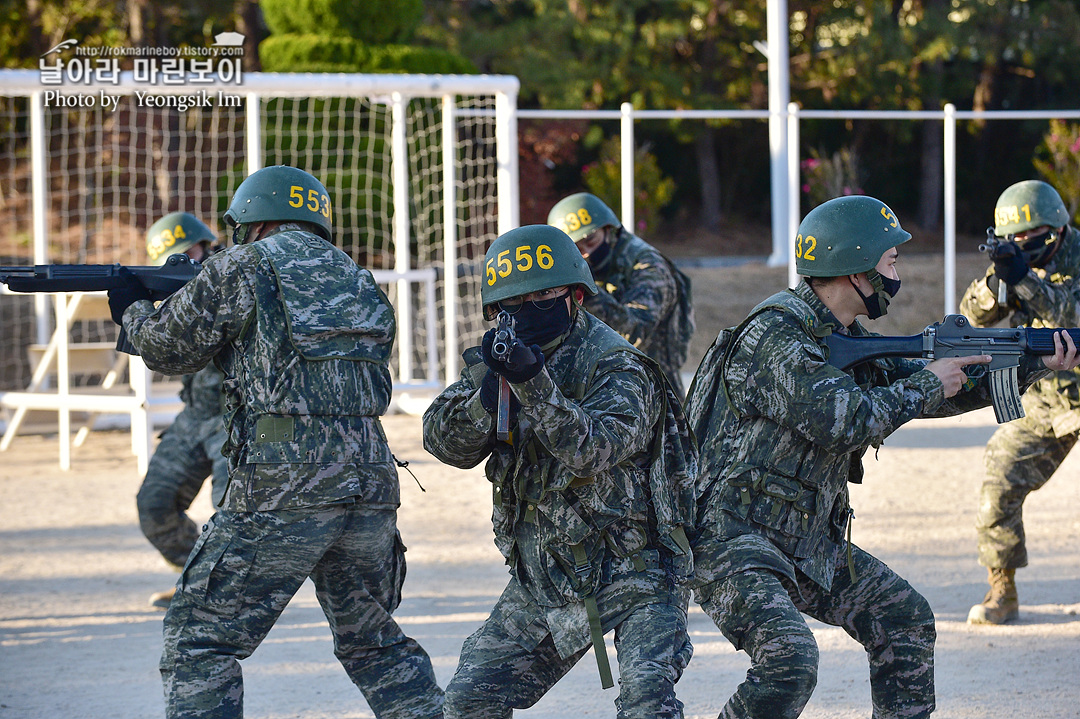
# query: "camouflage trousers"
[[244, 570], [1020, 458], [759, 612], [188, 453], [497, 674]]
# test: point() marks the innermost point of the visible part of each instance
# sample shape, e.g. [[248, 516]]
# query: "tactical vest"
[[798, 500], [308, 374], [670, 342], [576, 524]]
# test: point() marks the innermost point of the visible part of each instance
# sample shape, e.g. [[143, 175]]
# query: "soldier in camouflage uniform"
[[640, 293], [1032, 282], [591, 491], [190, 449], [781, 434], [303, 336]]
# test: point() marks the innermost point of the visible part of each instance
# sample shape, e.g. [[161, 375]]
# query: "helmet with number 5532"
[[846, 236], [529, 259], [282, 193], [581, 214]]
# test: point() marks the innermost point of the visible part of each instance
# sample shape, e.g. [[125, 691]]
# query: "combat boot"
[[1001, 603], [161, 599]]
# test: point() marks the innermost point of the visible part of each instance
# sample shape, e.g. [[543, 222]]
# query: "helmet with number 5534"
[[282, 193], [529, 259], [581, 214], [173, 233], [846, 236]]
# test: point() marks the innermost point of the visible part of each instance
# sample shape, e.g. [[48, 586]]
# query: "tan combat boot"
[[1001, 603], [161, 599]]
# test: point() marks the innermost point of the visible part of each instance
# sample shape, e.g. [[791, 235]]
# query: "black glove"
[[523, 364], [1009, 263], [122, 297], [489, 395]]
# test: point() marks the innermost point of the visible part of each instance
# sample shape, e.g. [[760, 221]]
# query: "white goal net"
[[416, 166]]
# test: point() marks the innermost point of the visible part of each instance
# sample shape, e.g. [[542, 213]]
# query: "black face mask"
[[535, 326], [600, 256], [885, 288]]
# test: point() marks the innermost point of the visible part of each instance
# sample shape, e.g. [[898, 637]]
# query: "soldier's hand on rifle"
[[523, 364], [1009, 263], [950, 370], [1065, 355], [120, 298], [489, 394]]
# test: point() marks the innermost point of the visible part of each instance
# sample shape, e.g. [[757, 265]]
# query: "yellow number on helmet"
[[586, 218]]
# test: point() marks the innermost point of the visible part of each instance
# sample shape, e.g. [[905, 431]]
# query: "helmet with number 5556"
[[581, 214], [282, 193], [529, 259], [846, 236]]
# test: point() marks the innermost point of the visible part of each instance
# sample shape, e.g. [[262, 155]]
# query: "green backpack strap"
[[596, 630]]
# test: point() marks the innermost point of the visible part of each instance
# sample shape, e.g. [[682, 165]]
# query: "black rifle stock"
[[160, 282], [954, 336], [500, 350]]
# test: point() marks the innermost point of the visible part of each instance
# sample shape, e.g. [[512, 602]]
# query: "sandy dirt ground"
[[78, 639]]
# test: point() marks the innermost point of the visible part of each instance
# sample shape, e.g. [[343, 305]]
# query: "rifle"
[[500, 350], [993, 242], [955, 337], [160, 282]]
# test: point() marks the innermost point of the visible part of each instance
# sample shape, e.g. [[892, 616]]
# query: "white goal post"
[[422, 169]]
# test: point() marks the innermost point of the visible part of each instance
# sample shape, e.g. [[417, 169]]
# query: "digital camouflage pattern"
[[647, 300], [599, 461], [303, 336], [188, 453], [1022, 455], [781, 434]]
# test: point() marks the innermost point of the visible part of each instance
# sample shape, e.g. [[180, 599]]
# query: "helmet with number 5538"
[[282, 193], [529, 259], [846, 236], [581, 214], [173, 233]]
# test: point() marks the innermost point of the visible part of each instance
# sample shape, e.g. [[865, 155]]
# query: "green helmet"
[[281, 193], [173, 233], [580, 214], [529, 259], [1027, 205], [846, 236]]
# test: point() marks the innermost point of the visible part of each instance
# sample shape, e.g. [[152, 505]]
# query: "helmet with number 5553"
[[282, 193], [529, 259], [846, 236], [581, 214]]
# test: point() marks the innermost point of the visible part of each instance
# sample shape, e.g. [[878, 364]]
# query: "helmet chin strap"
[[876, 303]]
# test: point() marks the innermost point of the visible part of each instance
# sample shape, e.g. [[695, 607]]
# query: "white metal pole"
[[950, 208], [399, 151], [779, 95], [450, 258], [506, 159], [63, 378], [39, 191], [626, 151], [253, 132], [793, 193]]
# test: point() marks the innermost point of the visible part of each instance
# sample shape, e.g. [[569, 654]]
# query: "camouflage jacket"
[[646, 299], [201, 392], [577, 491], [782, 433], [303, 337], [1047, 297]]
